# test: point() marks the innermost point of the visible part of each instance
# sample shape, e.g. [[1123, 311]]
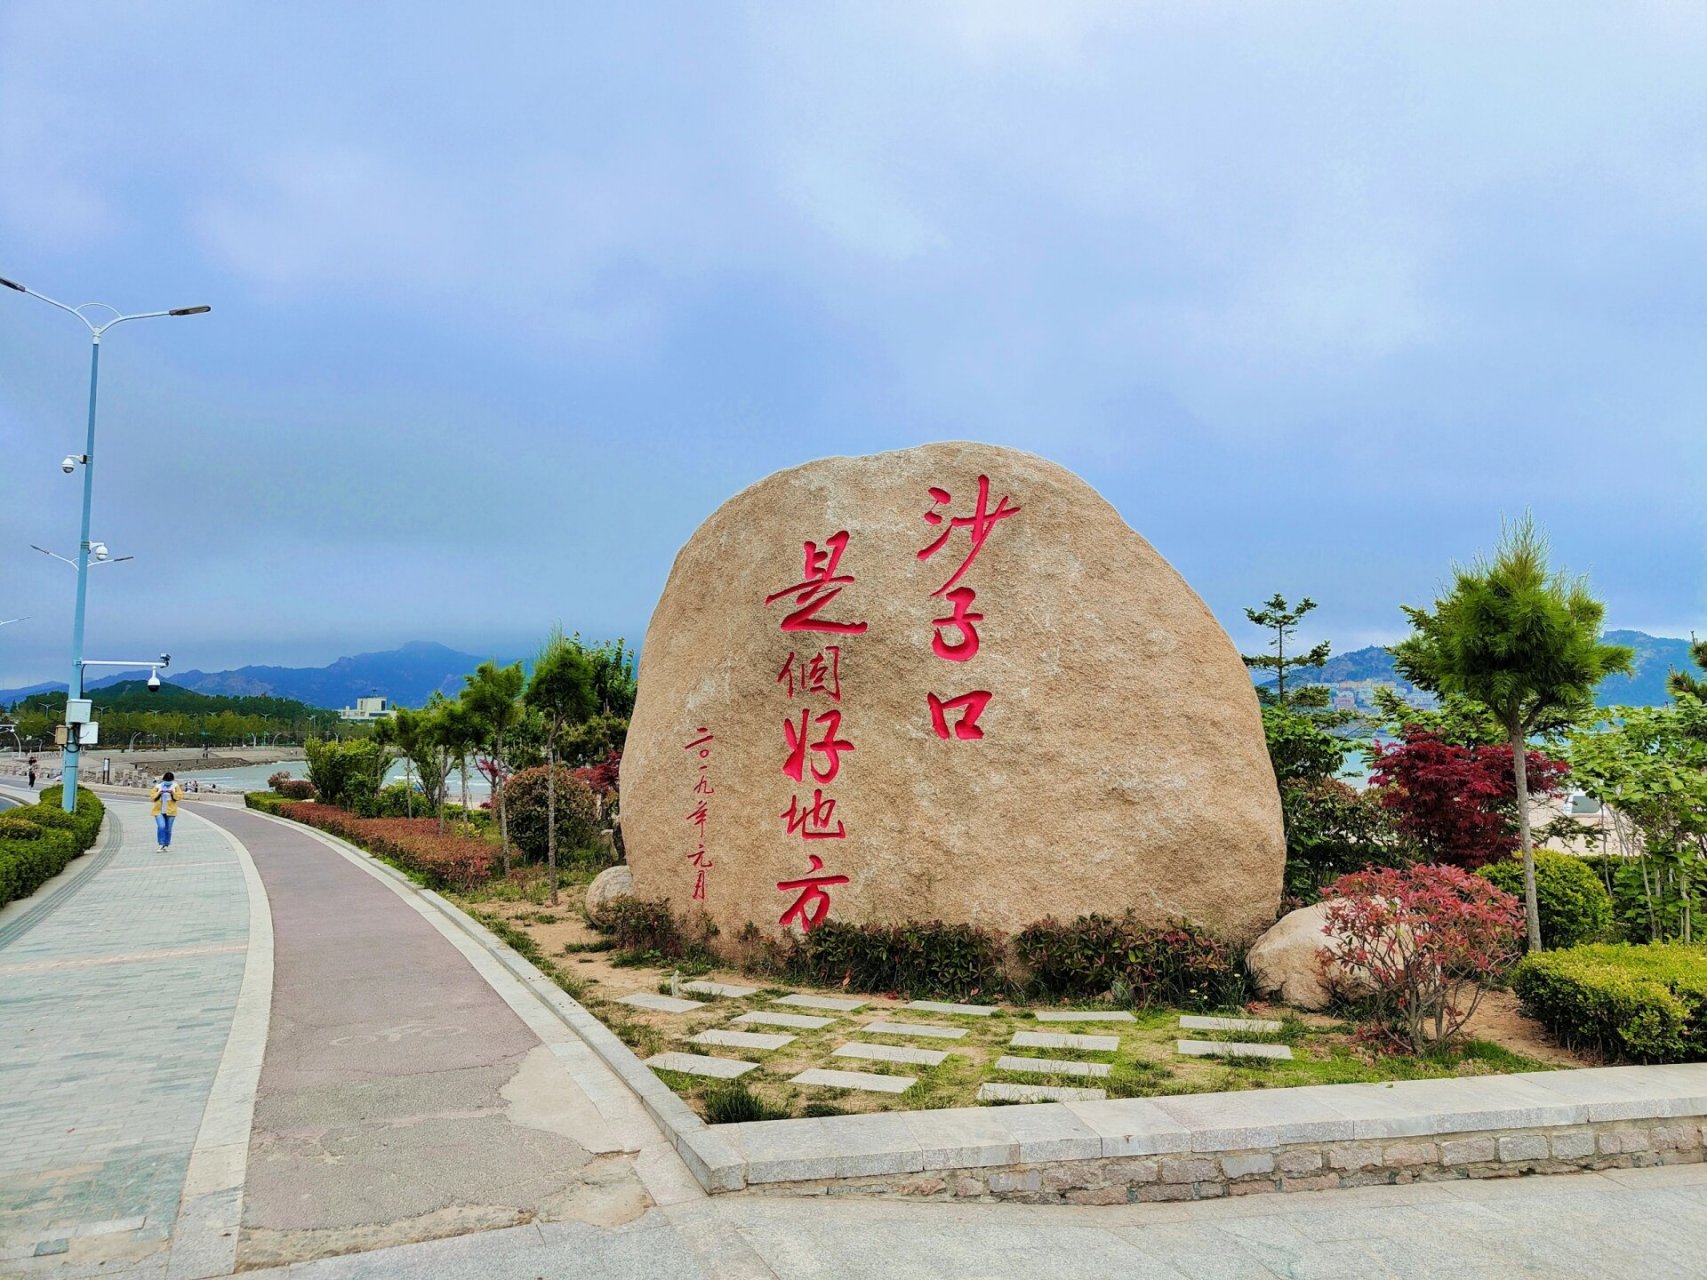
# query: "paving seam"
[[61, 893], [210, 1208]]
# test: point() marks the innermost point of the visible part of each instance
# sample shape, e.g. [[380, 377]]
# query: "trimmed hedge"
[[1179, 964], [37, 841], [267, 801], [920, 958], [1575, 906], [449, 860], [1648, 1003]]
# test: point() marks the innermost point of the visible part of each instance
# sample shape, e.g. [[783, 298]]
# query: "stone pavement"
[[1650, 1223], [115, 1009]]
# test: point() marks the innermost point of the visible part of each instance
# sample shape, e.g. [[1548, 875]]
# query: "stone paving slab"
[[891, 1053], [997, 1091], [941, 1006], [1084, 1015], [925, 1029], [760, 1040], [869, 1081], [1053, 1066], [1247, 1026], [694, 1064], [1230, 1049], [799, 1021], [833, 1003], [724, 989], [660, 1004], [1062, 1040]]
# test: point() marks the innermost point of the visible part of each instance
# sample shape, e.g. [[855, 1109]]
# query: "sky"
[[508, 298]]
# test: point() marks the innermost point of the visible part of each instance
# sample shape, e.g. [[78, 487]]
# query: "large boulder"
[[609, 885], [944, 683], [1297, 962]]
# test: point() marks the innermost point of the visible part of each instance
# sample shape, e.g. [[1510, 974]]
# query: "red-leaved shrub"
[[454, 861], [1429, 940], [1458, 803]]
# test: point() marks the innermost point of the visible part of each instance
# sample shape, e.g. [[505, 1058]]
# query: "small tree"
[[1684, 685], [1428, 940], [563, 692], [458, 732], [1282, 619], [493, 697], [417, 736], [1524, 642]]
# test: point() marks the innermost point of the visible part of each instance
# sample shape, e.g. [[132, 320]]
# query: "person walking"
[[32, 773], [166, 793]]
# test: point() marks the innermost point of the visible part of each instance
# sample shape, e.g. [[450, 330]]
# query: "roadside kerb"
[[1182, 1147]]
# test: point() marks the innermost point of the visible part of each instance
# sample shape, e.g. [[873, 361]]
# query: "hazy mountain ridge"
[[408, 675], [1656, 657]]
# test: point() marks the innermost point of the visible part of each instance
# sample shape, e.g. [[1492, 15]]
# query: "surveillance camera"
[[69, 465], [99, 550], [165, 659], [154, 682]]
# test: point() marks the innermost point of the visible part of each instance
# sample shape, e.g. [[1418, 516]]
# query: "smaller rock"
[[609, 885], [1287, 961]]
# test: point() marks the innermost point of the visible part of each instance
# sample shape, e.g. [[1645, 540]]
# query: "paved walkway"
[[401, 1097], [411, 1088], [115, 1009]]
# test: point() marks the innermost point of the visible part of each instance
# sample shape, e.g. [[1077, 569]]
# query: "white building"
[[366, 709]]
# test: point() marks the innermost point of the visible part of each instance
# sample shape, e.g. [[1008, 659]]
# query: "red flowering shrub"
[[454, 861], [603, 776], [1429, 940], [1458, 803]]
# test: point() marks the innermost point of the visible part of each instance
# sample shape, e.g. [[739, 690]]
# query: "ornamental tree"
[[1524, 642], [1648, 768], [1459, 804], [1429, 941], [1281, 618], [493, 697], [564, 690]]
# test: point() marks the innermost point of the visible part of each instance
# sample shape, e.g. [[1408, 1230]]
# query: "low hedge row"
[[37, 841], [448, 860], [1647, 1003], [1092, 958]]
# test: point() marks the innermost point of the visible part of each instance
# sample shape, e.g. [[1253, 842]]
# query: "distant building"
[[366, 709]]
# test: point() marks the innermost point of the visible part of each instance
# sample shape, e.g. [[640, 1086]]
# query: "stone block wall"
[[1501, 1153]]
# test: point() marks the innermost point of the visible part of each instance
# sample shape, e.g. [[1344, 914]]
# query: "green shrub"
[[525, 802], [84, 825], [38, 840], [731, 1102], [1648, 1003], [267, 801], [1175, 964], [921, 958], [644, 928], [1575, 906], [25, 864], [344, 773]]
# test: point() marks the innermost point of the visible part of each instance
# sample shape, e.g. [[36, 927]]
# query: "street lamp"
[[98, 555], [86, 459]]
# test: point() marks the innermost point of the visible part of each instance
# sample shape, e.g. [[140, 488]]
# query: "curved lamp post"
[[74, 688]]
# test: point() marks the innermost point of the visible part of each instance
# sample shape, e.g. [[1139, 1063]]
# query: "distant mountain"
[[1656, 657], [408, 676]]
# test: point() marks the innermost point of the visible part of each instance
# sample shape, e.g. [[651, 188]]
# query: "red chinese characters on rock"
[[813, 904], [820, 673], [961, 621], [813, 737], [699, 859], [820, 585]]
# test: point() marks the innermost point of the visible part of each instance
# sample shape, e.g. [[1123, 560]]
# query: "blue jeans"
[[163, 828]]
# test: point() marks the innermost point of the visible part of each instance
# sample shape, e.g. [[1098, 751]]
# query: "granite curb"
[[1186, 1130]]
